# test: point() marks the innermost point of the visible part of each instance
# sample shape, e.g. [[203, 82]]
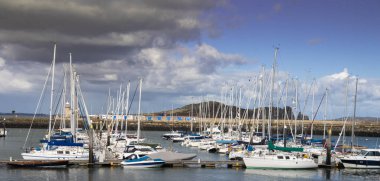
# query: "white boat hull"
[[31, 156], [143, 164], [263, 163], [361, 163]]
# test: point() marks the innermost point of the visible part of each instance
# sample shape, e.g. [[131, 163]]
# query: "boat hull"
[[34, 156], [143, 164], [360, 163], [260, 163], [42, 163]]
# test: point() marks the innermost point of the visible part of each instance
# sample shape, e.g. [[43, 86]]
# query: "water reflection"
[[370, 174], [291, 174]]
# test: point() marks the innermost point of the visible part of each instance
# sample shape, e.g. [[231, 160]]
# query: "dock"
[[170, 164]]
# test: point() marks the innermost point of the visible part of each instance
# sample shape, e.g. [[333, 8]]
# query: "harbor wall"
[[362, 128]]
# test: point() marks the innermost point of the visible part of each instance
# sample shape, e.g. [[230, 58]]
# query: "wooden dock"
[[206, 164], [170, 164]]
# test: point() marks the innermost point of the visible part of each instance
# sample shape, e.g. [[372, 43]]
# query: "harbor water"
[[11, 146]]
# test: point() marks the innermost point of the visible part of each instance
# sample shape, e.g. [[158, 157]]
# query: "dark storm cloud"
[[97, 30]]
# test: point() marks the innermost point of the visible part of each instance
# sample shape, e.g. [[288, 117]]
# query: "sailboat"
[[3, 130], [279, 160], [62, 145]]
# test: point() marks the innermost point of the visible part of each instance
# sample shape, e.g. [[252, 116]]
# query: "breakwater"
[[362, 128]]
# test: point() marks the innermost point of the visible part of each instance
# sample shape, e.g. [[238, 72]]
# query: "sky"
[[191, 51]]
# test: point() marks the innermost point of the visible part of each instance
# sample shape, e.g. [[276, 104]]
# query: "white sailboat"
[[58, 149], [278, 161]]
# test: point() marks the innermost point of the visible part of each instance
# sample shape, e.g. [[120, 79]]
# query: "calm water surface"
[[11, 145]]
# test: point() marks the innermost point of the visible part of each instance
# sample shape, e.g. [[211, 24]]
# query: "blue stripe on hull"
[[144, 164]]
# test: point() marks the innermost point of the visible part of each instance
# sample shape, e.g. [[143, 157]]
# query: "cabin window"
[[372, 153], [67, 152], [280, 157], [59, 152], [363, 152], [287, 157]]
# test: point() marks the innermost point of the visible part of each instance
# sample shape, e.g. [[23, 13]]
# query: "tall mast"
[[52, 93], [325, 116], [296, 113], [63, 121], [354, 117], [286, 111], [261, 109], [346, 114], [271, 92], [312, 109], [138, 114], [72, 98], [191, 117], [127, 108]]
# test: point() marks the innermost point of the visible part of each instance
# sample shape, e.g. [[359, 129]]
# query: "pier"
[[169, 164]]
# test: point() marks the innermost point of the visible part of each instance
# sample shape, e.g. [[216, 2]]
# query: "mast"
[[346, 113], [296, 113], [72, 100], [127, 108], [325, 116], [191, 117], [52, 92], [312, 109], [271, 92], [63, 120], [286, 117], [260, 104], [138, 114], [354, 117]]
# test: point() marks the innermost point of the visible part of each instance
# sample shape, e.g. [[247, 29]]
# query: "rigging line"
[[57, 107], [38, 105], [316, 112], [134, 94]]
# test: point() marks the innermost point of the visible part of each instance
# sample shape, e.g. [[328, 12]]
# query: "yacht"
[[367, 158]]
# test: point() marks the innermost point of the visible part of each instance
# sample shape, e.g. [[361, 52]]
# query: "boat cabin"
[[370, 152]]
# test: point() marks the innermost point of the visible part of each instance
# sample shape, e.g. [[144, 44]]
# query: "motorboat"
[[171, 135], [368, 158], [134, 161], [139, 150]]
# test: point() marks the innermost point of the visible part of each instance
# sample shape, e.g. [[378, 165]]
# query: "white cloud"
[[11, 81]]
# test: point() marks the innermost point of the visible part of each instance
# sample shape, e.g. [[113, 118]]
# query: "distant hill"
[[216, 109]]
